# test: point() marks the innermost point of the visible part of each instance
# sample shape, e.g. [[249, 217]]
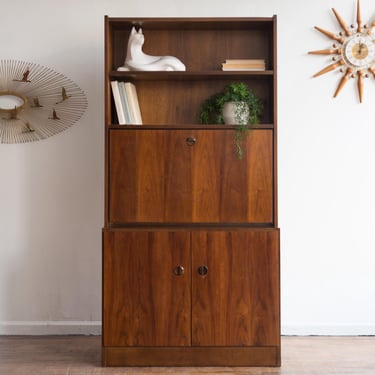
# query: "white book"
[[118, 104], [125, 103], [132, 96]]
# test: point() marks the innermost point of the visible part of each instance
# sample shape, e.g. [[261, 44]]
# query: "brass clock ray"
[[355, 54]]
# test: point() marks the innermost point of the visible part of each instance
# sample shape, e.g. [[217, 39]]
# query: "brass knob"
[[190, 141], [179, 270], [203, 270]]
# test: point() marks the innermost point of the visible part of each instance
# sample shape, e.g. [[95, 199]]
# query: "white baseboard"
[[95, 328], [50, 327], [328, 329]]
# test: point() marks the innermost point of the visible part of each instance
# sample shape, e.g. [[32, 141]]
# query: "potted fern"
[[236, 105]]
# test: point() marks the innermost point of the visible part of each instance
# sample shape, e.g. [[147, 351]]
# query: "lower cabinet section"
[[199, 297]]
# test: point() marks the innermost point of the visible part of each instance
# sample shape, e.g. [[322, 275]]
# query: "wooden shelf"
[[188, 75], [194, 23]]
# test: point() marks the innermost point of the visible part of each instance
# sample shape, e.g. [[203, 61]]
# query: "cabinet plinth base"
[[191, 356]]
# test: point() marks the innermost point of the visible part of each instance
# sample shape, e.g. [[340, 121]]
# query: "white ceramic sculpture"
[[136, 59]]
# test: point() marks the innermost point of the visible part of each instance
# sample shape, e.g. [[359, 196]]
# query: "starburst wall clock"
[[353, 52]]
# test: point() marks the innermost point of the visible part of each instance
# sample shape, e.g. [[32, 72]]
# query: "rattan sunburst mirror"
[[36, 102]]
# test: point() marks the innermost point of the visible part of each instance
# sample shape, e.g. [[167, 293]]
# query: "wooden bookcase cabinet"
[[175, 209]]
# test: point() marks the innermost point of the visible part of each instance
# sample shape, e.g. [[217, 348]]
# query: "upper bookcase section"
[[202, 44]]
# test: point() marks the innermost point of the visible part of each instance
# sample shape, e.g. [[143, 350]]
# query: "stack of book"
[[126, 103], [244, 64]]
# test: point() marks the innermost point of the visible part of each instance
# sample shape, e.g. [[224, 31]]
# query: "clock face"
[[359, 51]]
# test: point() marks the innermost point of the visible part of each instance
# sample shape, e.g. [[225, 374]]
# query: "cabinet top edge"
[[189, 22], [189, 228], [187, 127]]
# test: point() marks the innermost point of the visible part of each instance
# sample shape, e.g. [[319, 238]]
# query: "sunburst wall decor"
[[353, 52], [36, 102]]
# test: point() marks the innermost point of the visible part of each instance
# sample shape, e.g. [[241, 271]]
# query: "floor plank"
[[80, 355]]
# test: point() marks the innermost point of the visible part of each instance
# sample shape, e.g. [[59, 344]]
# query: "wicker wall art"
[[36, 102]]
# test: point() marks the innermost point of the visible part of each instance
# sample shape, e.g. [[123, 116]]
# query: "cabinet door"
[[158, 176], [146, 300], [235, 288]]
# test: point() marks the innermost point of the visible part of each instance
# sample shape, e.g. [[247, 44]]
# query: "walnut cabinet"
[[190, 237]]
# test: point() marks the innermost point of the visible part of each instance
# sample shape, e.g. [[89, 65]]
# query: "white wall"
[[51, 191]]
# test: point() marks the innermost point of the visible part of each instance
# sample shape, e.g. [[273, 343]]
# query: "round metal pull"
[[190, 141], [179, 270], [203, 270]]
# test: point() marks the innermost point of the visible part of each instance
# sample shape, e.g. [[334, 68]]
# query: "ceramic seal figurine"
[[136, 59]]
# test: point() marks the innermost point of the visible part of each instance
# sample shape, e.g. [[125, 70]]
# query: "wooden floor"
[[80, 355]]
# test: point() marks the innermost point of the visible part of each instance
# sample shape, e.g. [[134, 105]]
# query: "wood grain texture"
[[237, 302], [178, 101], [150, 176], [195, 356], [227, 189], [169, 203], [154, 176], [202, 45], [145, 303], [218, 39]]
